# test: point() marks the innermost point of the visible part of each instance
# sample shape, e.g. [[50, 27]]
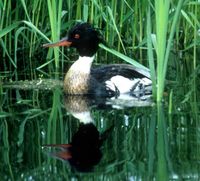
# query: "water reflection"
[[132, 143], [84, 150]]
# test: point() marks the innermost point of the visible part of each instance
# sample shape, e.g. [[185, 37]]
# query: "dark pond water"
[[98, 139]]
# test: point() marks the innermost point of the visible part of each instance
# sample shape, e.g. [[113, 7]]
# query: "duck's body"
[[109, 80]]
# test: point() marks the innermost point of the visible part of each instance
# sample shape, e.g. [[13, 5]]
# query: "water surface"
[[131, 140]]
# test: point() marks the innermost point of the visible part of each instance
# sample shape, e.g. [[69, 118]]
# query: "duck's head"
[[84, 37]]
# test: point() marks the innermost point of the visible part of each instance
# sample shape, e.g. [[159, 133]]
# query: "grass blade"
[[124, 57], [8, 29]]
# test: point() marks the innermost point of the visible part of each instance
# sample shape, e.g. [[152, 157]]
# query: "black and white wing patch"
[[124, 85], [123, 79]]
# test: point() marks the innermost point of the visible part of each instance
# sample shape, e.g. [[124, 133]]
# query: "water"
[[131, 140]]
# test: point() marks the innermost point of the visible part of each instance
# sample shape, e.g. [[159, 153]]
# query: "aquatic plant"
[[144, 33]]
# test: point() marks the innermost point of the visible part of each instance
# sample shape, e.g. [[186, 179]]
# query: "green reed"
[[55, 12], [163, 42], [6, 156], [145, 31]]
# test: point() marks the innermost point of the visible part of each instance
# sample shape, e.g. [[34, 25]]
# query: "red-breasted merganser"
[[108, 80]]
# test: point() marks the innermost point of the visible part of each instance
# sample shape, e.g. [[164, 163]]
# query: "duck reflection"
[[83, 152]]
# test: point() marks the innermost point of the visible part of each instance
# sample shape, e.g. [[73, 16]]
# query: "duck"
[[109, 80]]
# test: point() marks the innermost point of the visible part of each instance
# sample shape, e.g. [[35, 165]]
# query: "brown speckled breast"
[[76, 83]]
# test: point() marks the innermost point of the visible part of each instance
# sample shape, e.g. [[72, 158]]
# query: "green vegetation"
[[155, 34], [152, 143]]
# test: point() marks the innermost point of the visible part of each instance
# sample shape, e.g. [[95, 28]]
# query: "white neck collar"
[[83, 64]]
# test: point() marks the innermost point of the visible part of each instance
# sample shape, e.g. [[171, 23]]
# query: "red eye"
[[77, 36]]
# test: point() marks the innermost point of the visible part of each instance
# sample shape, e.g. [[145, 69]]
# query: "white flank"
[[83, 64], [146, 81], [124, 85]]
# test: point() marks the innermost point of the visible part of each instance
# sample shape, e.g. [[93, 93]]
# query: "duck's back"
[[106, 72], [123, 79]]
